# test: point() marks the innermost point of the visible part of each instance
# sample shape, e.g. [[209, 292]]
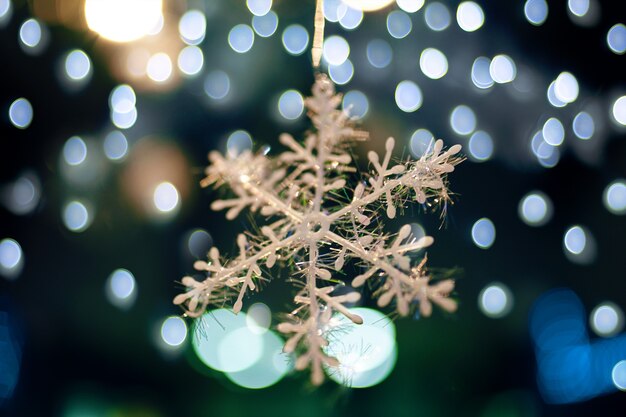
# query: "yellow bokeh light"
[[368, 5], [123, 20]]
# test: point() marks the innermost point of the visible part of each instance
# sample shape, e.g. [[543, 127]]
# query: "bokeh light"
[[437, 16], [238, 142], [536, 11], [433, 63], [502, 69], [614, 197], [11, 258], [123, 20], [124, 120], [21, 113], [258, 318], [463, 120], [6, 11], [121, 289], [578, 7], [366, 352], [241, 38], [410, 6], [566, 87], [166, 198], [77, 216], [159, 68], [356, 104], [190, 60], [616, 38], [295, 39], [553, 132], [379, 53], [217, 85], [483, 233], [579, 245], [535, 209], [77, 65], [618, 375], [421, 143], [33, 36], [350, 18], [619, 110], [480, 73], [607, 319], [552, 98], [399, 24], [495, 300], [122, 99], [259, 7], [341, 74], [22, 196], [470, 16], [291, 104], [266, 25], [115, 146], [75, 151], [583, 125], [336, 50], [480, 146], [408, 96], [198, 243], [192, 27], [173, 331]]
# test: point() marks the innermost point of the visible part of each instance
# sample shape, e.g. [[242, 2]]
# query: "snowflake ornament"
[[315, 226]]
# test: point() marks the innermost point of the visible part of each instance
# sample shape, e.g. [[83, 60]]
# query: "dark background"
[[76, 347]]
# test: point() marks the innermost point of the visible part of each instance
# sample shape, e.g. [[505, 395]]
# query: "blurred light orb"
[[536, 11], [238, 142], [421, 142], [21, 113], [22, 196], [552, 98], [579, 245], [463, 120], [266, 25], [578, 7], [259, 7], [566, 87], [616, 38], [433, 63], [618, 375], [619, 110], [217, 85], [11, 258], [166, 197], [122, 99], [192, 27], [606, 320], [548, 156], [159, 67], [76, 216], [74, 151], [480, 73], [124, 120], [366, 352], [295, 39], [6, 10], [399, 24], [120, 288], [367, 5], [115, 146], [408, 96], [291, 104], [535, 209], [199, 243], [410, 6], [259, 318], [123, 20], [356, 104], [341, 74], [31, 33], [553, 132], [470, 16], [483, 233], [495, 300], [379, 53], [77, 65], [336, 50], [437, 16], [350, 18], [502, 69], [190, 60], [480, 146], [241, 38], [583, 125], [173, 331], [614, 197]]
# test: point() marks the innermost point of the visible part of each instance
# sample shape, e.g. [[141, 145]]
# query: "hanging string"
[[318, 35]]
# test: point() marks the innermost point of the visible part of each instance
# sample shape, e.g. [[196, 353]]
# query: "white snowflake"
[[316, 228]]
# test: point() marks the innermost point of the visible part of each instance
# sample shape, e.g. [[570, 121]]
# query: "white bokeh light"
[[22, 196], [291, 104], [165, 197], [115, 146], [379, 53], [217, 85], [484, 233], [356, 104], [579, 245], [6, 11], [259, 7], [122, 99], [21, 113], [190, 60], [123, 20], [463, 120], [619, 110], [408, 96], [614, 197], [336, 50], [124, 120], [495, 300], [399, 24], [266, 25], [480, 146], [437, 16], [410, 6], [421, 143], [583, 125], [295, 39], [616, 38], [192, 27], [77, 216], [259, 318], [553, 132], [11, 258], [241, 38], [502, 69], [121, 288], [341, 74], [552, 98], [238, 142], [536, 11], [578, 7], [566, 87], [535, 209], [74, 151], [77, 65], [433, 63], [350, 18], [607, 319], [470, 16], [480, 73], [32, 36], [173, 331], [618, 375], [159, 68]]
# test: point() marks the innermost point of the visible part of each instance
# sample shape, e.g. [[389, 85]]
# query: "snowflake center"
[[315, 225]]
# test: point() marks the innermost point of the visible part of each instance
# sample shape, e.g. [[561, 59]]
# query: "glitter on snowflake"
[[316, 229]]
